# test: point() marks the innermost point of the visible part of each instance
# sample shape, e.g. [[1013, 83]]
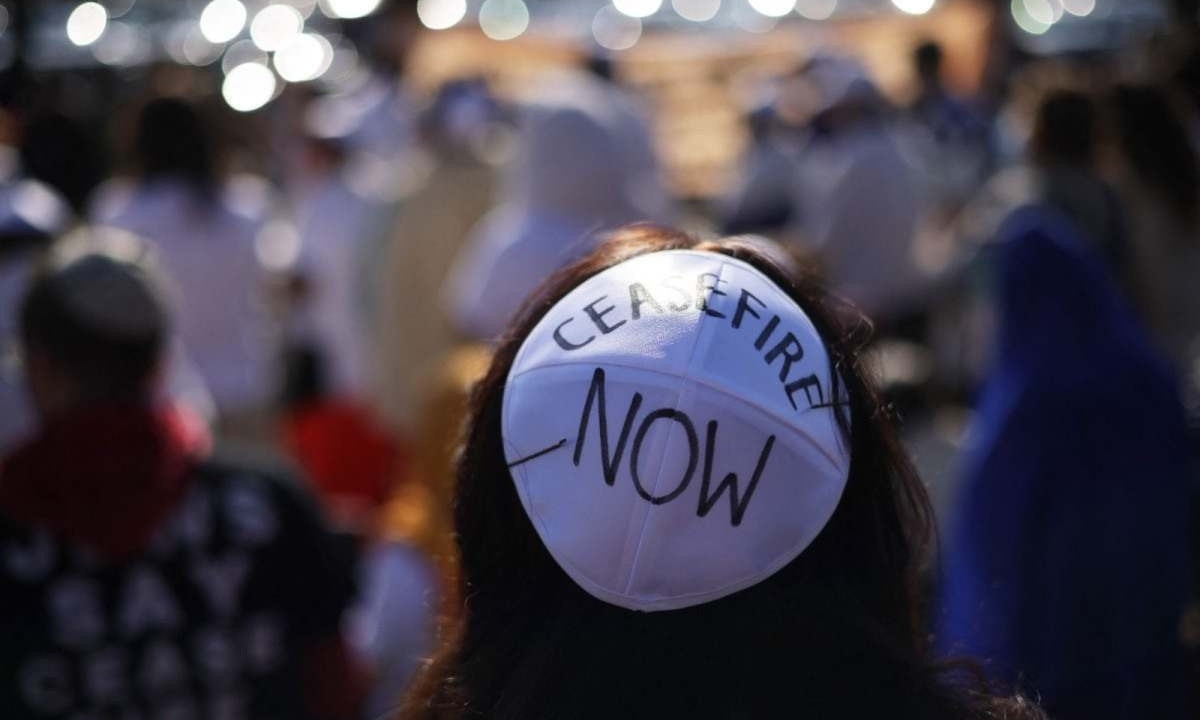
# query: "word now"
[[611, 461]]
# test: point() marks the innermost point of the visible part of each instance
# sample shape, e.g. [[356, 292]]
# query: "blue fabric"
[[1066, 569]]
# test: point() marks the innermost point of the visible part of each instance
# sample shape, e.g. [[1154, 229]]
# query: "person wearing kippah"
[[143, 574], [679, 496]]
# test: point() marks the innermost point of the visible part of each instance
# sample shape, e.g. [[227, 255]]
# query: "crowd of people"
[[352, 421]]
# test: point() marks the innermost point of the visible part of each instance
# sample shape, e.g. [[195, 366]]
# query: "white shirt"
[[338, 227], [393, 627], [858, 206], [207, 248], [575, 176]]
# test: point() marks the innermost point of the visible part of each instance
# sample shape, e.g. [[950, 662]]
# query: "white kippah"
[[671, 430]]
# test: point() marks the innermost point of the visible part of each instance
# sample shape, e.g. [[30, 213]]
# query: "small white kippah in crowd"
[[671, 430]]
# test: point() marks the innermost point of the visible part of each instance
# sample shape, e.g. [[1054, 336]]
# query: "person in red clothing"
[[141, 573]]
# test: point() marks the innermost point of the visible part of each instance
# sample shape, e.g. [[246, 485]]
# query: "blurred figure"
[[1067, 567], [204, 227], [1063, 153], [331, 426], [140, 574], [572, 178], [411, 601], [58, 150], [857, 205], [761, 199], [633, 125], [458, 132], [945, 133], [31, 216], [340, 217], [1156, 173], [1058, 169], [348, 457]]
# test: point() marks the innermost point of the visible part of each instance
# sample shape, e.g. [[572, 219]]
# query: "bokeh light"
[[121, 45], [242, 51], [305, 7], [275, 26], [816, 9], [637, 8], [503, 19], [773, 8], [345, 73], [750, 20], [197, 50], [277, 245], [305, 58], [350, 9], [614, 30], [222, 20], [441, 14], [696, 10], [914, 7], [248, 86], [1079, 8], [1027, 22], [86, 23], [1045, 12]]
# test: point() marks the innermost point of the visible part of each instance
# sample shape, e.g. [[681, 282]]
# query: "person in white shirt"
[[341, 220], [573, 178], [857, 203], [204, 227]]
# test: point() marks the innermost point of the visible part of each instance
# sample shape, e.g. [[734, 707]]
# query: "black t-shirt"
[[209, 622]]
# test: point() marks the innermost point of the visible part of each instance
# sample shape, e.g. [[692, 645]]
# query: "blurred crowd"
[[332, 287]]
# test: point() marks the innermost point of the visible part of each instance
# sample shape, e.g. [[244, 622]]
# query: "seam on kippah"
[[687, 385], [713, 387]]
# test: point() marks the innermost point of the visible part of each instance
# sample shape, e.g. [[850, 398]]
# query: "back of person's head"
[[1064, 130], [1156, 146], [173, 141], [727, 527], [927, 60], [94, 321]]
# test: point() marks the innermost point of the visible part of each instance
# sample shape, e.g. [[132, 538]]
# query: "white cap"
[[671, 430]]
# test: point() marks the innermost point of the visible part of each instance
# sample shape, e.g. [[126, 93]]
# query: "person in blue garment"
[[1066, 569]]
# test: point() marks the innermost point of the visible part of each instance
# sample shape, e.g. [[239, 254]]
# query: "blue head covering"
[[1067, 568]]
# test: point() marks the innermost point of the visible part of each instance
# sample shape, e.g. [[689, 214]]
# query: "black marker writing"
[[610, 462], [538, 454]]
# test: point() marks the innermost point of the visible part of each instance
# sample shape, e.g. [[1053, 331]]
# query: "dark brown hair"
[[1154, 140], [1064, 129], [173, 141], [833, 634]]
